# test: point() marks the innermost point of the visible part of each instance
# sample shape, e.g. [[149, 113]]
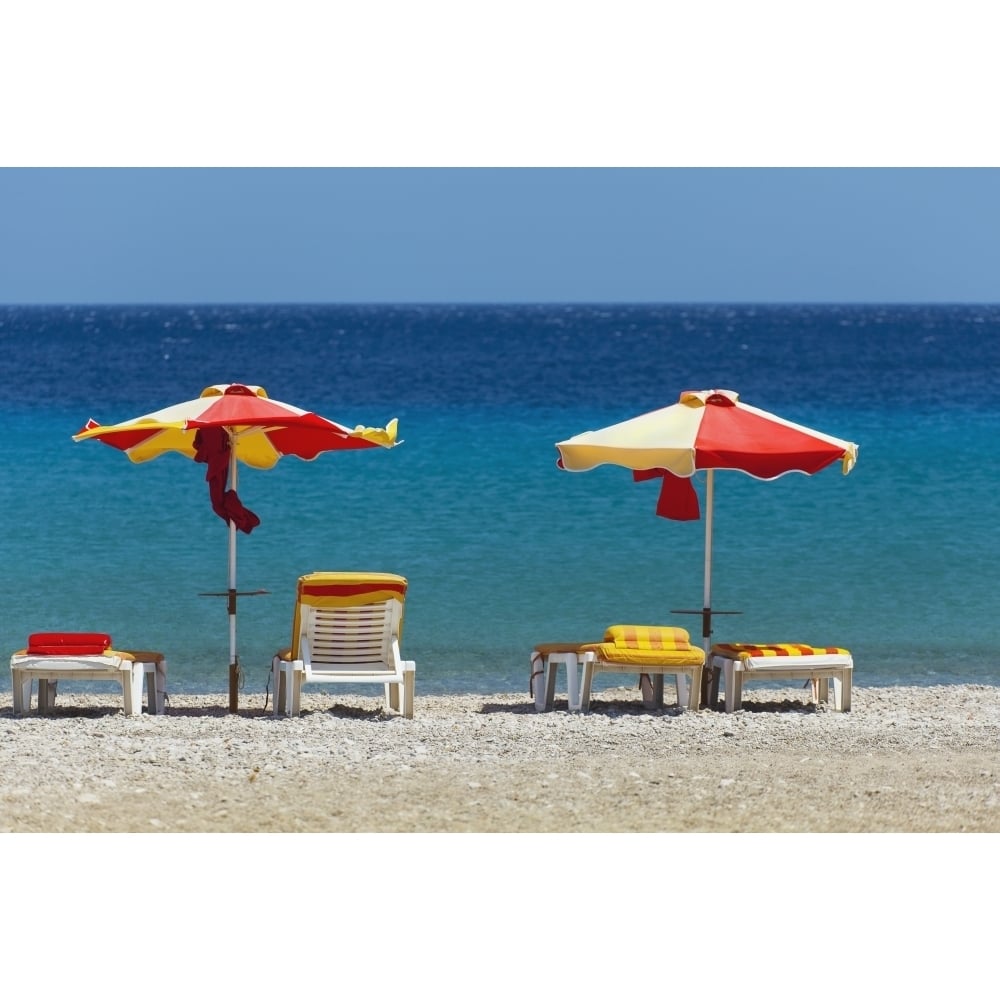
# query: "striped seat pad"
[[651, 637], [750, 651], [611, 652]]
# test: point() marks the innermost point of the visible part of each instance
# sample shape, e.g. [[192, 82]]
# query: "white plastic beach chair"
[[346, 630]]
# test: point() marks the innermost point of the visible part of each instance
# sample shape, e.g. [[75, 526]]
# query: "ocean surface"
[[898, 561]]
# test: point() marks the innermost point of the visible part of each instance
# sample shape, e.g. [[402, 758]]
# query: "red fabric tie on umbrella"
[[212, 447], [678, 498]]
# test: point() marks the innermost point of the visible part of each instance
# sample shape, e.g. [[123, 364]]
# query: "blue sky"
[[117, 235], [531, 151]]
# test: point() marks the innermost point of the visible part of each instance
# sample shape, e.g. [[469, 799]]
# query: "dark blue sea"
[[899, 561]]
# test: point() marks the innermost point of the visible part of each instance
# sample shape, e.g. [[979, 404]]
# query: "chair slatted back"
[[353, 635], [349, 618]]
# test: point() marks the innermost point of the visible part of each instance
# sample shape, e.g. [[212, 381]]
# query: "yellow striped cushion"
[[747, 651], [648, 637], [345, 590], [610, 652]]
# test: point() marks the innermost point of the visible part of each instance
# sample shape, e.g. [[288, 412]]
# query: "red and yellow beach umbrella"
[[226, 425], [705, 431]]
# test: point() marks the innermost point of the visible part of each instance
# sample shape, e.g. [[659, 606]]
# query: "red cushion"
[[68, 643]]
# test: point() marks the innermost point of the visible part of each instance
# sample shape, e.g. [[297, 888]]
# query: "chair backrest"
[[348, 618]]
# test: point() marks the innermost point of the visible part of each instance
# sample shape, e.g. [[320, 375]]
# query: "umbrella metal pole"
[[234, 665], [709, 684]]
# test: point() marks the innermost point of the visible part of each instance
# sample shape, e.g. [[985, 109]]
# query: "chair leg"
[[161, 687], [694, 698], [538, 683], [821, 690], [550, 683], [278, 679], [126, 683], [646, 689], [842, 691], [588, 681], [658, 684], [713, 688], [709, 686], [295, 682], [21, 686], [46, 695], [732, 702], [683, 694], [572, 682], [156, 685], [392, 696], [409, 683], [284, 701], [132, 681]]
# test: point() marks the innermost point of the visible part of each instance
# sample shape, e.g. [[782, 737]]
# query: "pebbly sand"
[[904, 760]]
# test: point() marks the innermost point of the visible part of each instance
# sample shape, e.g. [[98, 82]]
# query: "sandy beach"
[[904, 759]]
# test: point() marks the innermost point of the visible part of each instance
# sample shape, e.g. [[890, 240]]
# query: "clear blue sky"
[[749, 121], [118, 235]]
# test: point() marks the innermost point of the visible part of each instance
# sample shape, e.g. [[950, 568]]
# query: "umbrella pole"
[[234, 665], [709, 684]]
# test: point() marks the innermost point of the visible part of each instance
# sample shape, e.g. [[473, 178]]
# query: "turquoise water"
[[896, 561]]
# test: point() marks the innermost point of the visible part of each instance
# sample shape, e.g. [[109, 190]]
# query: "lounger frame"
[[129, 673], [687, 678], [821, 669]]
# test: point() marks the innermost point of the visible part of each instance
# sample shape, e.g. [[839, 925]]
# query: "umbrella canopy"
[[225, 425], [262, 430], [705, 430]]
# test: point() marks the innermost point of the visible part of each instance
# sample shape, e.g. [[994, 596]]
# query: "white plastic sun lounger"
[[85, 656], [741, 662], [651, 651]]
